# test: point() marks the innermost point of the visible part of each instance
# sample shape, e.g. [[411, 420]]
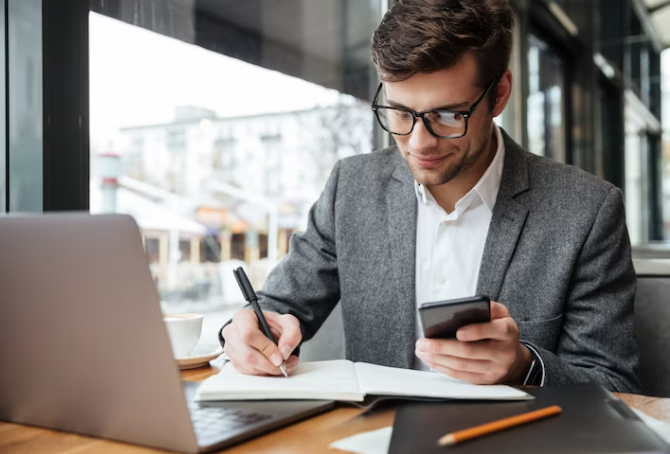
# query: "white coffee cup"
[[184, 331]]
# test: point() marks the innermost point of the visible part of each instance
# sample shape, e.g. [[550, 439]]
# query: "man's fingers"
[[477, 379], [292, 361], [483, 353], [456, 363], [251, 351], [498, 329], [254, 359], [258, 341], [246, 331], [498, 311], [233, 357], [501, 327], [290, 336], [451, 347]]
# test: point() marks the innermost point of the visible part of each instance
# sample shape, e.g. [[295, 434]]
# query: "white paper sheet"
[[321, 380], [375, 442]]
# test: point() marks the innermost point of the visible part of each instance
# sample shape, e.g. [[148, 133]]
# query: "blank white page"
[[391, 381], [319, 380]]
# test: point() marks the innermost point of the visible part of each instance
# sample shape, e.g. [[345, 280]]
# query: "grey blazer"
[[557, 255]]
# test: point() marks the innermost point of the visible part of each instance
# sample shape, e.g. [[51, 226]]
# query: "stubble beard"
[[436, 177]]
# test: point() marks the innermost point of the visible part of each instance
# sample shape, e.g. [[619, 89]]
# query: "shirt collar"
[[420, 191], [488, 185]]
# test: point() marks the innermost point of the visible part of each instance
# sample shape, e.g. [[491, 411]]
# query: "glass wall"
[[25, 126], [545, 103], [510, 119], [217, 126], [3, 115], [665, 155], [636, 152]]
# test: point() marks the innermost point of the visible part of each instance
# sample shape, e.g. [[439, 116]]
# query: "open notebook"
[[347, 381]]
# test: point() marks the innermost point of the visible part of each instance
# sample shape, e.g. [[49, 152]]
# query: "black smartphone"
[[441, 319]]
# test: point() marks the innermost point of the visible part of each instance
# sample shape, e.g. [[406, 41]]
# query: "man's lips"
[[428, 161]]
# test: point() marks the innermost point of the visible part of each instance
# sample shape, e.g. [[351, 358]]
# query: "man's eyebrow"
[[460, 106]]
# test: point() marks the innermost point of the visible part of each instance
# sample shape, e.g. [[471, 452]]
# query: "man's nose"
[[421, 138]]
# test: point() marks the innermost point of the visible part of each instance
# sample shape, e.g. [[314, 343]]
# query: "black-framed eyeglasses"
[[444, 124]]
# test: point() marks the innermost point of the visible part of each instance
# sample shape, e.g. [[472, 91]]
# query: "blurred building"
[[283, 156], [208, 189]]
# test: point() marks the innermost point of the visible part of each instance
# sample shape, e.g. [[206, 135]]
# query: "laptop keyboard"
[[213, 423]]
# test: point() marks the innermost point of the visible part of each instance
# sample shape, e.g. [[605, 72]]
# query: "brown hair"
[[423, 36]]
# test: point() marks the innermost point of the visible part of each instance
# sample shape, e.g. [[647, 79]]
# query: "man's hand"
[[484, 354], [254, 354]]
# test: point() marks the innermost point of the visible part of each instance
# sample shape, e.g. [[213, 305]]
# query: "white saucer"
[[201, 356]]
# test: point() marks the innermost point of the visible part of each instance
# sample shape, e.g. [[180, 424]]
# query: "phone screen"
[[442, 319]]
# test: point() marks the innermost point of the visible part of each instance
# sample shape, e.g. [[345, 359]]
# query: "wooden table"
[[310, 436]]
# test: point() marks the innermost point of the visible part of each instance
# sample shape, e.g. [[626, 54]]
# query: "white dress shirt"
[[449, 246]]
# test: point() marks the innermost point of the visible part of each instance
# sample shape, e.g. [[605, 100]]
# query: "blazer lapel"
[[401, 205], [508, 219]]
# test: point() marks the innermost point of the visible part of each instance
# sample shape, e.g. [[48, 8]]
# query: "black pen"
[[250, 296]]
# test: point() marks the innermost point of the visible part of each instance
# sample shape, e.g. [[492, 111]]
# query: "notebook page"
[[391, 381], [318, 380]]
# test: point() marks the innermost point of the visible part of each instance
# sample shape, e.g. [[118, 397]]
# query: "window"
[[546, 128], [185, 250], [237, 246], [220, 123], [224, 155], [152, 248], [273, 151], [175, 139]]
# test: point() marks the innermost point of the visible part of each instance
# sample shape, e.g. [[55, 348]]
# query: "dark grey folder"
[[593, 421]]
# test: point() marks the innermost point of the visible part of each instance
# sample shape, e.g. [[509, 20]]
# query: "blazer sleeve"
[[598, 343], [306, 283]]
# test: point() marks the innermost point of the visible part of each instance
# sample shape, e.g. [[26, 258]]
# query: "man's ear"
[[503, 92]]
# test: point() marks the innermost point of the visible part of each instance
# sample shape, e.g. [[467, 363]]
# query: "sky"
[[137, 77]]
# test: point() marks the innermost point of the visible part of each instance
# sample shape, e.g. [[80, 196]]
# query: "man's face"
[[435, 161]]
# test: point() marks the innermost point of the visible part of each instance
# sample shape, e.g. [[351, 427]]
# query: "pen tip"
[[283, 370]]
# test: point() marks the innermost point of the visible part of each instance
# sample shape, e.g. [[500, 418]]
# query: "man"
[[455, 209]]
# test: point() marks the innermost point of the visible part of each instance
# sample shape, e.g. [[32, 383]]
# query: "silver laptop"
[[83, 347]]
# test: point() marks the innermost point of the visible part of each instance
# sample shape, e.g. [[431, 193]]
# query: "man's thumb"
[[498, 311]]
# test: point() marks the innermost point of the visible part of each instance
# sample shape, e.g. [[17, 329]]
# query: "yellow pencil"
[[473, 432]]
